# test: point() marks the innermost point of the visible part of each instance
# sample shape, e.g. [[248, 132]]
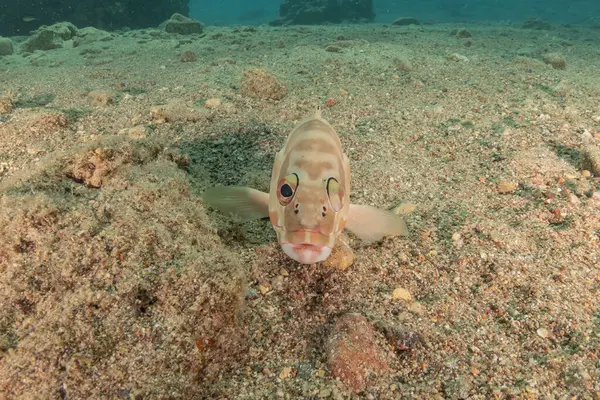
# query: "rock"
[[188, 56], [537, 24], [404, 21], [404, 208], [6, 105], [458, 388], [50, 37], [353, 353], [259, 83], [332, 48], [101, 98], [398, 337], [6, 47], [590, 159], [417, 309], [212, 103], [183, 25], [91, 35], [505, 187], [556, 60], [544, 333], [105, 14], [401, 294], [309, 12], [458, 57], [341, 257], [463, 33]]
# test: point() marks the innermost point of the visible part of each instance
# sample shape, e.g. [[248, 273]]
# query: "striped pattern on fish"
[[308, 202]]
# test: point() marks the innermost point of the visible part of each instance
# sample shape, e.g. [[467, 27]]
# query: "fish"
[[308, 203], [29, 19]]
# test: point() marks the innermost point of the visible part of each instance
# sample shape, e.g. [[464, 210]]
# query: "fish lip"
[[305, 245]]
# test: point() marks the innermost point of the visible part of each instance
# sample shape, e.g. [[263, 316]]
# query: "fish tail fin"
[[245, 202], [371, 224]]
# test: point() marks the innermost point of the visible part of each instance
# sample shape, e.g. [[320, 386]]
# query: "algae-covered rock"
[[183, 25], [50, 37], [90, 35], [6, 46]]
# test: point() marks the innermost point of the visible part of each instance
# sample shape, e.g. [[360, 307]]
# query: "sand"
[[116, 282]]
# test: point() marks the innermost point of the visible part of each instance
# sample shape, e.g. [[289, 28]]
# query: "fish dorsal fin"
[[319, 112], [245, 202], [371, 224]]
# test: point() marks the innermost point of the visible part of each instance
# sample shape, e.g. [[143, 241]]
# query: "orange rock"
[[352, 352]]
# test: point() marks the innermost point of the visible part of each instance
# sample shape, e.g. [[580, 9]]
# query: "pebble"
[[556, 60], [544, 333], [404, 208], [285, 373], [505, 187], [403, 21], [590, 159], [458, 57], [463, 34], [341, 258], [100, 98], [401, 294], [352, 352], [417, 309], [212, 103]]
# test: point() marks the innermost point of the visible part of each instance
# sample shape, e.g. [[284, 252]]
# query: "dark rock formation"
[[183, 25], [308, 12], [22, 17]]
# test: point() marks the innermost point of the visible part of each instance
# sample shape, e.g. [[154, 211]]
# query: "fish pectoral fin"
[[245, 202], [371, 224]]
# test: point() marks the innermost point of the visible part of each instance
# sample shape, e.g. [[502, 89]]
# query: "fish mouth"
[[306, 253]]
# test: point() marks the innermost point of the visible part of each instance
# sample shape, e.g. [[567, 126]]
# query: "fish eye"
[[287, 188], [335, 193]]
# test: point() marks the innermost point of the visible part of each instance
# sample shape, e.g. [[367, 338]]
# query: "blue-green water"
[[574, 11]]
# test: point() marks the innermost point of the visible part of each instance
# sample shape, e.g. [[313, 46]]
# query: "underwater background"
[[575, 11], [475, 122]]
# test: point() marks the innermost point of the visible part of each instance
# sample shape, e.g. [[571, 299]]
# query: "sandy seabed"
[[116, 282]]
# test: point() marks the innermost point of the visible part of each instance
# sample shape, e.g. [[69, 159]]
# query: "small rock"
[[188, 56], [332, 48], [285, 373], [352, 352], [324, 393], [544, 333], [536, 24], [463, 33], [404, 208], [6, 47], [90, 35], [458, 388], [183, 25], [100, 98], [341, 257], [6, 105], [458, 57], [262, 84], [417, 309], [556, 60], [401, 294], [506, 187], [212, 103], [403, 21], [573, 199], [590, 159]]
